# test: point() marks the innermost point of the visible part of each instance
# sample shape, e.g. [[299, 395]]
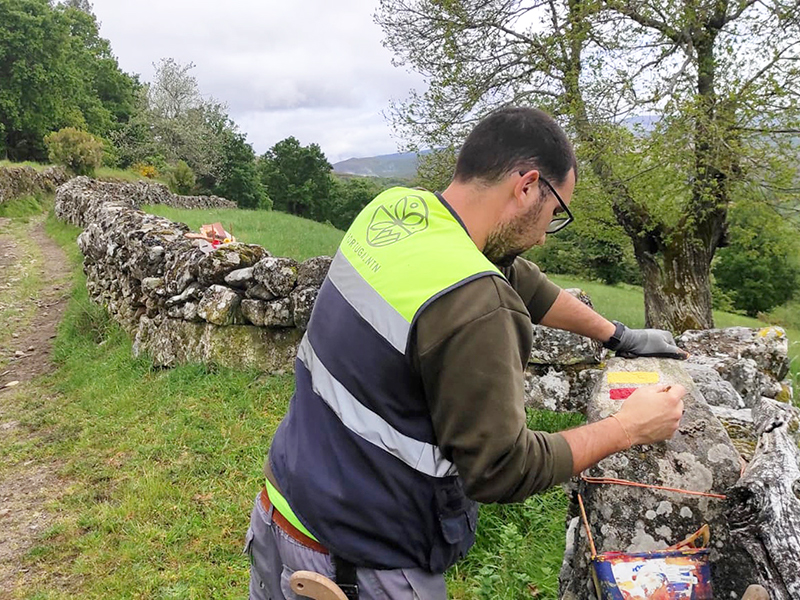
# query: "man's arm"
[[649, 415], [569, 313], [471, 350]]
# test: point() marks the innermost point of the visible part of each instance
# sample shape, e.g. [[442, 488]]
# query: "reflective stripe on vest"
[[422, 457], [356, 456]]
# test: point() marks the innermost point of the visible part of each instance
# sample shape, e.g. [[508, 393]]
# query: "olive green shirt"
[[471, 349]]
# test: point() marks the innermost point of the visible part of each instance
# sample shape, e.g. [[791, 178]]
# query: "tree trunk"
[[764, 506], [677, 287]]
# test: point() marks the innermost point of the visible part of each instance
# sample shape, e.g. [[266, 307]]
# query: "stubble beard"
[[509, 240]]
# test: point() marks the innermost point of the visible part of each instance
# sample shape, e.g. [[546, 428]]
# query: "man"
[[409, 381]]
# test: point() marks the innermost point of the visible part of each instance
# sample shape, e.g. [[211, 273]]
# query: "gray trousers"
[[274, 556]]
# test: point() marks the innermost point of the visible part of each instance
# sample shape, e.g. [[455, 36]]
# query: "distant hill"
[[401, 165]]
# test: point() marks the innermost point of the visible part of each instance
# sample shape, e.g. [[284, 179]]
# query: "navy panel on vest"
[[361, 502], [382, 380]]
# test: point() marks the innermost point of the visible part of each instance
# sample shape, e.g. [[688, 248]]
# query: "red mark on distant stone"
[[621, 393]]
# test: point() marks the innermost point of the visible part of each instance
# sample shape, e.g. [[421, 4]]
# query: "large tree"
[[720, 74], [56, 71], [297, 178]]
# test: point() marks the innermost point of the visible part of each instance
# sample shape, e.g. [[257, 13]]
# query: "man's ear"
[[525, 186]]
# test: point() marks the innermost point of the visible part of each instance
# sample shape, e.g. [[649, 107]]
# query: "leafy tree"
[[435, 168], [348, 196], [297, 178], [183, 124], [721, 74], [760, 269], [237, 178], [55, 71], [181, 179]]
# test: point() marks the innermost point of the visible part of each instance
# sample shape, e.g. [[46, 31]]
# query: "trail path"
[[34, 288]]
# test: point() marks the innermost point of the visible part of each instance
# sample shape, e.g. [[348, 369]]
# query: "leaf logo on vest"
[[394, 222]]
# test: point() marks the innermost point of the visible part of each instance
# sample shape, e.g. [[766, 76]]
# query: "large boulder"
[[700, 457]]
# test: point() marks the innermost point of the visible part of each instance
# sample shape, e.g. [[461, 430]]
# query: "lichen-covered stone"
[[278, 275], [558, 347], [153, 286], [768, 347], [192, 292], [23, 181], [278, 313], [180, 268], [253, 311], [699, 457], [739, 425], [190, 312], [171, 342], [215, 266], [312, 272], [220, 306], [715, 390], [559, 389], [302, 304], [753, 361], [751, 384], [240, 278], [259, 292]]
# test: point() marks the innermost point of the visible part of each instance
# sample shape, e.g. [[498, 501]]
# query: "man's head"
[[522, 159]]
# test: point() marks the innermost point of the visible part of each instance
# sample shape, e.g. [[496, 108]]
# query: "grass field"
[[160, 466], [280, 233]]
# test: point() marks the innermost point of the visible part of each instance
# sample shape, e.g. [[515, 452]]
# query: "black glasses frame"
[[556, 223]]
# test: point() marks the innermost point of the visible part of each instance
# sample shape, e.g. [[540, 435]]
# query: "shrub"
[[181, 179], [145, 170], [759, 270], [79, 151]]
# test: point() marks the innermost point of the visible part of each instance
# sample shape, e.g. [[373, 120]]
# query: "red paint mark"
[[621, 393]]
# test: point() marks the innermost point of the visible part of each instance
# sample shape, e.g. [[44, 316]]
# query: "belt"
[[289, 529]]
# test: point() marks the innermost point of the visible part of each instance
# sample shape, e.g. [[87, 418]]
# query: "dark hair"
[[514, 138]]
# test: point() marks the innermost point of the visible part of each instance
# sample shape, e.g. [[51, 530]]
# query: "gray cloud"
[[313, 69]]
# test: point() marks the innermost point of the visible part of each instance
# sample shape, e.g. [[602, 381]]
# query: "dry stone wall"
[[236, 305], [22, 181]]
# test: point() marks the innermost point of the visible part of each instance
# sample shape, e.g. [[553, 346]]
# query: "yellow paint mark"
[[764, 332], [633, 377]]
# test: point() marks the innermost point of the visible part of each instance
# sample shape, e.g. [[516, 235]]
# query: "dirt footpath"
[[34, 289]]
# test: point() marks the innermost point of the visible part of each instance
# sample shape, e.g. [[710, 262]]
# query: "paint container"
[[660, 575]]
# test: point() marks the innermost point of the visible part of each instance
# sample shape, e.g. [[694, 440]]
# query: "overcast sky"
[[313, 69]]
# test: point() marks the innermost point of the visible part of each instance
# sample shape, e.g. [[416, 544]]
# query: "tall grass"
[[23, 207], [280, 233]]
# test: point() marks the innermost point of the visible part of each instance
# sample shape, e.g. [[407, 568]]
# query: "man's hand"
[[648, 342], [652, 414]]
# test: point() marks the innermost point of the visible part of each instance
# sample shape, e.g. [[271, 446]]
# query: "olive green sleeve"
[[536, 290], [471, 349]]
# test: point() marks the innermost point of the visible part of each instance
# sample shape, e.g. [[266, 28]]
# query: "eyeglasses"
[[557, 223]]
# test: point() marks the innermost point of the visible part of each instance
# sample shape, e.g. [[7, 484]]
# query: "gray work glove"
[[630, 343]]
